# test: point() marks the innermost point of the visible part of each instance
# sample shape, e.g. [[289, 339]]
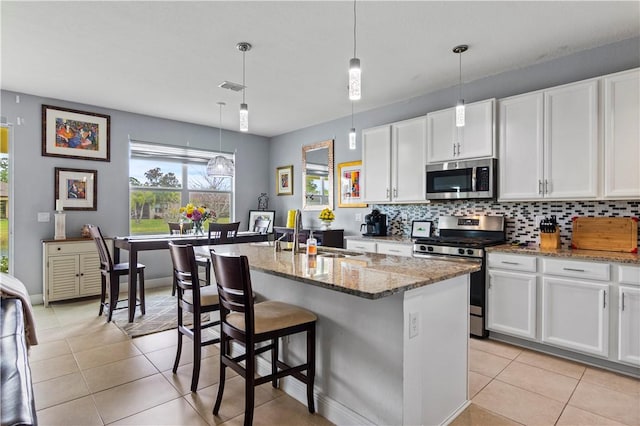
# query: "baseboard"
[[457, 412], [325, 406]]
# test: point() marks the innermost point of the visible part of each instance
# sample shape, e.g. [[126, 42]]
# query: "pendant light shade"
[[244, 47], [355, 77], [460, 109], [221, 165]]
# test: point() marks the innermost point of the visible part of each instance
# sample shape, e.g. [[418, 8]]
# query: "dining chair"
[[111, 273], [249, 324], [219, 233], [194, 299], [175, 226], [261, 225]]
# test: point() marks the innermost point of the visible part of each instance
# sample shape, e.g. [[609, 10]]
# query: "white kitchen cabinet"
[[359, 245], [622, 135], [549, 144], [394, 162], [511, 294], [575, 315], [446, 142], [395, 249], [71, 269], [629, 325], [511, 303]]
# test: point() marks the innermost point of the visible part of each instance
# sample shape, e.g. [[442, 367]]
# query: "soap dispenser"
[[312, 246]]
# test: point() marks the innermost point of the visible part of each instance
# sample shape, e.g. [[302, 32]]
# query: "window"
[[164, 178]]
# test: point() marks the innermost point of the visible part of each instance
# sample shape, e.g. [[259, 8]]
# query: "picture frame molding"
[[279, 171], [353, 166], [51, 113], [62, 175], [253, 215]]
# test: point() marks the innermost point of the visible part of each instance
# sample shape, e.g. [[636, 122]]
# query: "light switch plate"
[[44, 217], [414, 321]]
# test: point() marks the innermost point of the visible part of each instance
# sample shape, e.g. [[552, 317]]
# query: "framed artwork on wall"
[[284, 180], [77, 189], [349, 182], [261, 214], [70, 133]]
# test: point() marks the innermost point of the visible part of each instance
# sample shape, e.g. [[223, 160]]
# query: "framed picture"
[[70, 133], [350, 184], [261, 214], [77, 189], [421, 228], [284, 180]]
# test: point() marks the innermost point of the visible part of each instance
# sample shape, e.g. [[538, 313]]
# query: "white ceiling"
[[166, 59]]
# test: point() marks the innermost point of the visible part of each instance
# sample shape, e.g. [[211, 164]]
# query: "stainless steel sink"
[[336, 253]]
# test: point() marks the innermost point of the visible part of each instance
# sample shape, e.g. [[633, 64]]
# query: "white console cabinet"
[[71, 269]]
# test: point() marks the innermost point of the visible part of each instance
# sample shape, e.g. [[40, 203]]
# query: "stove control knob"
[[469, 251], [429, 248], [461, 251], [423, 248]]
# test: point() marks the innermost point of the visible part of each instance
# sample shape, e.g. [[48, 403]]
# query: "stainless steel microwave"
[[462, 180]]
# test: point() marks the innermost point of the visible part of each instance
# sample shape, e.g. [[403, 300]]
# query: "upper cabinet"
[[446, 142], [549, 144], [393, 161], [622, 135]]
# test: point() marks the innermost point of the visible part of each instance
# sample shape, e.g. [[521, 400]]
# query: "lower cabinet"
[[366, 246], [395, 249], [575, 315], [71, 269], [629, 325], [511, 303]]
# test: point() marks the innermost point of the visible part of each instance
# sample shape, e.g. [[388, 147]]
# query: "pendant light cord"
[[220, 128], [243, 75], [354, 28], [460, 72], [352, 126]]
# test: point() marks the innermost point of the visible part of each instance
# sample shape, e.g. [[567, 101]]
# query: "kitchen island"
[[392, 331]]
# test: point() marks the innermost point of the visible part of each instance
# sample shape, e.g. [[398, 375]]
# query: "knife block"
[[550, 240]]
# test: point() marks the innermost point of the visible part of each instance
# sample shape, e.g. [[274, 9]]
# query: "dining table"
[[136, 243]]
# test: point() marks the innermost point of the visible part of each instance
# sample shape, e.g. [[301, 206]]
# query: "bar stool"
[[248, 323]]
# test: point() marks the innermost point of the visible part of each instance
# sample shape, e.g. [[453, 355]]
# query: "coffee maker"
[[375, 224]]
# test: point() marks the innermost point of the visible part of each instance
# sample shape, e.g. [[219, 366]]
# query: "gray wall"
[[286, 149], [34, 177]]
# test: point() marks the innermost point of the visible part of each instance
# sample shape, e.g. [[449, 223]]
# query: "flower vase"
[[326, 225], [197, 228]]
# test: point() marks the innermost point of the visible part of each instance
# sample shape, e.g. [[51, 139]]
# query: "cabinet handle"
[[539, 187], [454, 149], [604, 300], [546, 186], [395, 192], [394, 250], [510, 263], [387, 192], [574, 270], [458, 148], [622, 309]]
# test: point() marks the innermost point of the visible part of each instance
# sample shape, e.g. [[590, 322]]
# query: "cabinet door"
[[359, 245], [478, 133], [63, 277], [409, 144], [442, 136], [395, 249], [629, 325], [376, 164], [575, 315], [571, 141], [511, 303], [621, 134], [90, 276], [521, 144]]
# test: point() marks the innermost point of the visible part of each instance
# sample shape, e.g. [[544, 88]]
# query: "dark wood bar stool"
[[248, 324], [111, 273], [195, 299]]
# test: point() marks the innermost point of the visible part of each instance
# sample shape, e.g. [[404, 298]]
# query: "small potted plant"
[[327, 216]]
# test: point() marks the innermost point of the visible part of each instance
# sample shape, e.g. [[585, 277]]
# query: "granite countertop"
[[400, 239], [367, 275], [600, 256]]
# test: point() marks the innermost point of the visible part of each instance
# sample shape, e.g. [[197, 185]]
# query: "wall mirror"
[[317, 175]]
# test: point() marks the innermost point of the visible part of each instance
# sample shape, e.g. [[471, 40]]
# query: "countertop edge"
[[595, 255]]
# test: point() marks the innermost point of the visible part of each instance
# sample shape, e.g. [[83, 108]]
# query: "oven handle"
[[447, 257]]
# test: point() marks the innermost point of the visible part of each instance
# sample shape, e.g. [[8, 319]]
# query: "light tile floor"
[[87, 372]]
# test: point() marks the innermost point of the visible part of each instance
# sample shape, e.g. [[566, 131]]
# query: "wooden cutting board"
[[605, 233]]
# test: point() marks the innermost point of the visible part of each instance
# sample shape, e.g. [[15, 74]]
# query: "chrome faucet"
[[276, 243], [297, 223]]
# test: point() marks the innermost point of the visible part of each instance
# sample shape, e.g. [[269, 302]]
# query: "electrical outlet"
[[539, 219], [414, 321], [358, 217], [44, 217], [404, 217]]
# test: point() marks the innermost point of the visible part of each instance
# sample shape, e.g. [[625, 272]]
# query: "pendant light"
[[352, 132], [244, 47], [355, 89], [460, 105], [220, 165]]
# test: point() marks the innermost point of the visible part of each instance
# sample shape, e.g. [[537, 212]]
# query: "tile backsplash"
[[520, 216]]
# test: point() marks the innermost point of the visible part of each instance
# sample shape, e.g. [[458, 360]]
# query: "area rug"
[[161, 314]]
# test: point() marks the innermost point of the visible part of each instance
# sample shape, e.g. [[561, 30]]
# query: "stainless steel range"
[[463, 238]]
